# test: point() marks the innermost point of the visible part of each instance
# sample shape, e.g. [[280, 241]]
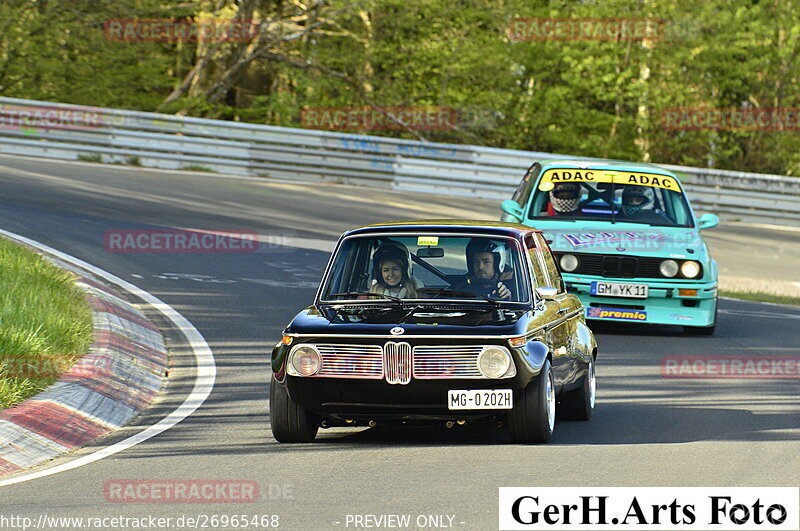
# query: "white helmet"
[[565, 197]]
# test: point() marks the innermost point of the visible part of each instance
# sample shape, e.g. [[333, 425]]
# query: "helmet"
[[634, 198], [485, 245], [391, 250], [565, 197]]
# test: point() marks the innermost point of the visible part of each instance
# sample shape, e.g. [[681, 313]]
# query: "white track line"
[[204, 357]]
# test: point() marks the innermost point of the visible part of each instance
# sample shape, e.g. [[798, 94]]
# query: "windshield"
[[425, 267], [610, 196]]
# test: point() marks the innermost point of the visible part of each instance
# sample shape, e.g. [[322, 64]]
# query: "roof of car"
[[446, 225], [642, 167]]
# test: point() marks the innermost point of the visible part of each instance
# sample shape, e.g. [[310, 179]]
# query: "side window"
[[523, 192], [549, 263], [540, 279]]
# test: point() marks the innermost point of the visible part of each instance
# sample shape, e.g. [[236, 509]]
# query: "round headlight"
[[690, 269], [569, 263], [669, 268], [493, 362], [305, 361]]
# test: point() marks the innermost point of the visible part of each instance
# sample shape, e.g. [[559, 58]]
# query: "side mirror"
[[513, 209], [707, 221], [546, 293]]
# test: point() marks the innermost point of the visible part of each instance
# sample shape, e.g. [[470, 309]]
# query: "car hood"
[[670, 242], [428, 321]]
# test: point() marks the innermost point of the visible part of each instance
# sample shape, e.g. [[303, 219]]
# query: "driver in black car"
[[484, 277]]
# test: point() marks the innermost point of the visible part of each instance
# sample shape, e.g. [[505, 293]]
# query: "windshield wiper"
[[410, 312], [368, 294], [473, 295]]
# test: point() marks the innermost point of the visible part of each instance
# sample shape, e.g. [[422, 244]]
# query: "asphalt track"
[[647, 431]]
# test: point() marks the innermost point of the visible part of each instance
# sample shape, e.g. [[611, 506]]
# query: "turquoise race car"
[[626, 239]]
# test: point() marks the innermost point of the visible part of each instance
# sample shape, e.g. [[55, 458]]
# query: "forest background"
[[508, 83]]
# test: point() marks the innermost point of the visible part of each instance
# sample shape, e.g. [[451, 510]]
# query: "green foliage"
[[761, 297], [92, 157], [45, 323], [197, 167], [602, 98]]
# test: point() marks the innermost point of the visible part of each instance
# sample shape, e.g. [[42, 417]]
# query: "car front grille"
[[447, 362], [351, 361], [616, 266], [398, 362]]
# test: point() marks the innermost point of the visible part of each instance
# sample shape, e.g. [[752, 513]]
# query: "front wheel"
[[578, 404], [290, 422], [699, 330], [534, 414]]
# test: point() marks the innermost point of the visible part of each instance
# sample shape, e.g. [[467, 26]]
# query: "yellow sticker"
[[427, 240], [552, 177]]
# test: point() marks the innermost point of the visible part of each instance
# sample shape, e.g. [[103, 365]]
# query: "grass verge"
[[758, 296], [45, 323], [197, 167]]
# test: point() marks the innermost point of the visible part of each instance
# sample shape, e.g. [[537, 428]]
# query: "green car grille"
[[616, 266]]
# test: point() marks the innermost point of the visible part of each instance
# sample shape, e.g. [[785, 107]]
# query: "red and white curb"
[[115, 381], [205, 369]]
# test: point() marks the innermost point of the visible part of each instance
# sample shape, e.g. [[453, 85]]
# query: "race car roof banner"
[[552, 177]]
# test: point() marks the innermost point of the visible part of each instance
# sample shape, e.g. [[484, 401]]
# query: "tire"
[[703, 330], [290, 422], [700, 330], [578, 404], [533, 416]]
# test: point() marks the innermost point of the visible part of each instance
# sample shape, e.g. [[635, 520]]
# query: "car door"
[[550, 311], [566, 311]]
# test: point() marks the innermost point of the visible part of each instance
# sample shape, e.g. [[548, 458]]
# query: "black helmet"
[[634, 198], [485, 245]]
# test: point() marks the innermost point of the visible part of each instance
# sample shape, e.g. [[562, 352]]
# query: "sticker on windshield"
[[552, 177], [427, 240]]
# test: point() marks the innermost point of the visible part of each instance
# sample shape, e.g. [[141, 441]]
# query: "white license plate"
[[480, 399], [614, 289]]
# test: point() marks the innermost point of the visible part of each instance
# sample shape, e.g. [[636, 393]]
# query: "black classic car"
[[436, 321]]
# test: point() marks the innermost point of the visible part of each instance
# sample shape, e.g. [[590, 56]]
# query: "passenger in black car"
[[392, 274], [484, 276]]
